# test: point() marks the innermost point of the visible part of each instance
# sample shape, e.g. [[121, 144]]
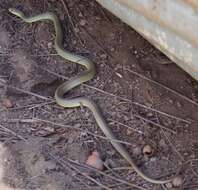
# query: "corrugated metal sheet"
[[192, 3], [170, 25]]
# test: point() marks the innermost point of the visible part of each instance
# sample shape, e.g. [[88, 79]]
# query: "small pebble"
[[50, 129], [135, 52], [76, 29], [126, 118], [7, 103], [169, 185], [162, 143], [112, 49], [149, 114], [167, 123], [178, 104], [136, 151], [50, 44], [82, 22], [80, 14], [129, 131], [103, 56], [60, 116], [177, 181], [147, 150], [153, 159], [95, 161]]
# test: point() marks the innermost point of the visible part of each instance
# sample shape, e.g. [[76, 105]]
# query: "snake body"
[[75, 81]]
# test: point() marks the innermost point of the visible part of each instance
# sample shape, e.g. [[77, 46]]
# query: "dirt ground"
[[44, 147]]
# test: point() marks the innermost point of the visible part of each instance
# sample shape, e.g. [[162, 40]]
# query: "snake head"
[[16, 12]]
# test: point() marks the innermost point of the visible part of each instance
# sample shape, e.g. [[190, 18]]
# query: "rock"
[[95, 161], [170, 101], [169, 185], [82, 22], [147, 150], [129, 131], [167, 122], [137, 151], [162, 143], [149, 114], [178, 104], [177, 181], [49, 129], [103, 56], [7, 103]]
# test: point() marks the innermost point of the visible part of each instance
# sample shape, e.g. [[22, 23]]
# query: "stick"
[[163, 86], [14, 133], [62, 163], [124, 99], [34, 120]]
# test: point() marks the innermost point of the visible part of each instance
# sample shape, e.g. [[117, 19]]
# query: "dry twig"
[[12, 132], [163, 86], [102, 173], [124, 99], [35, 120], [66, 164]]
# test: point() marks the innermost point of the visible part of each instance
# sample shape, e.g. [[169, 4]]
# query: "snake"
[[88, 74]]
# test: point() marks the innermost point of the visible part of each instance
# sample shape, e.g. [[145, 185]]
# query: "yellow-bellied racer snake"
[[75, 81]]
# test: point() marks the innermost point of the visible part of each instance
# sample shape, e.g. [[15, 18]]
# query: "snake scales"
[[77, 80]]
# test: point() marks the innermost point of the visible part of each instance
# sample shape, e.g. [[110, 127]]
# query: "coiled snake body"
[[83, 77]]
